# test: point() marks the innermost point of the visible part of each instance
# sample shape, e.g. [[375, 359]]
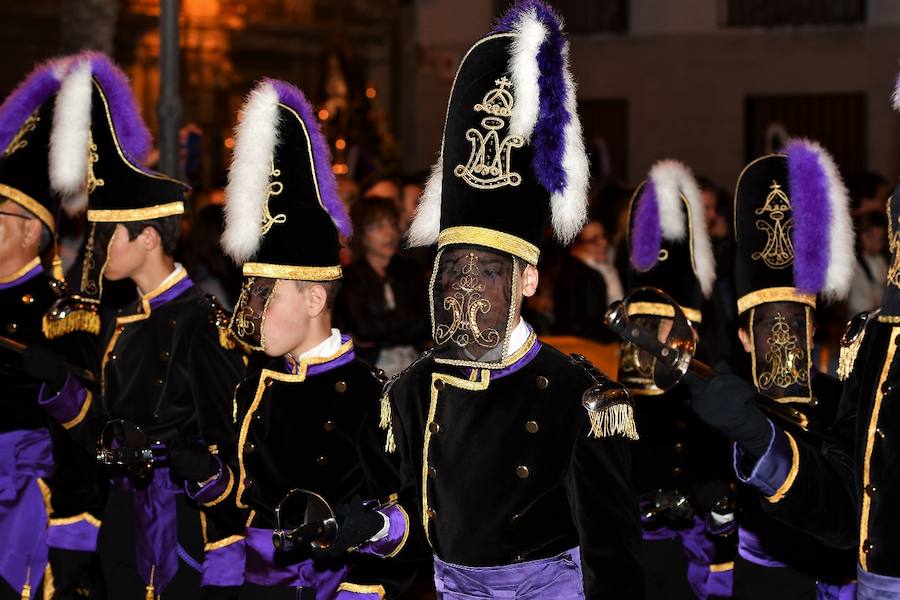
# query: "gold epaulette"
[[607, 403], [70, 314], [851, 342]]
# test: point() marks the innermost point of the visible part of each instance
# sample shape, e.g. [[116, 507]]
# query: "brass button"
[[329, 425], [322, 461], [531, 427], [164, 356], [249, 448], [430, 513], [112, 356], [257, 417], [172, 323], [27, 299], [868, 546], [439, 384], [515, 517], [679, 446], [432, 472], [676, 471], [340, 387], [542, 382], [522, 472], [11, 327], [434, 427], [870, 490], [158, 381]]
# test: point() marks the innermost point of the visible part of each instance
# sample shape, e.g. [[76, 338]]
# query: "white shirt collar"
[[518, 337], [328, 347], [176, 272]]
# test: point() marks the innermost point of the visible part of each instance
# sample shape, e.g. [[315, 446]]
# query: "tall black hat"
[[512, 155], [26, 118], [793, 232], [668, 245], [284, 217], [97, 145]]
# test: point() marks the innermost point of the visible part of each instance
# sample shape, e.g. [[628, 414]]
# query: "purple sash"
[[557, 577], [25, 455], [264, 568]]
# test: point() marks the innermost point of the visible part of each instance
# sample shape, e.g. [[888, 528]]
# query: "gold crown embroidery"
[[92, 181], [488, 166], [18, 142], [275, 188], [783, 358], [778, 252]]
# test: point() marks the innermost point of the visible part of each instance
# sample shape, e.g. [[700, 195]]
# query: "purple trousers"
[[558, 577]]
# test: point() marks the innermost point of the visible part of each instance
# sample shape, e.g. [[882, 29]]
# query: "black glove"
[[191, 460], [725, 402], [356, 526], [45, 365]]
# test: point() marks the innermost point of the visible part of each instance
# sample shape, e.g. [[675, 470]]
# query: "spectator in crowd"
[[871, 266], [869, 192], [382, 302], [586, 285]]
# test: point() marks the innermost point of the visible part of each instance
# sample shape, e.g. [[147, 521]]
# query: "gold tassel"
[[78, 320], [847, 358], [26, 589], [56, 265], [151, 591], [609, 421], [390, 445]]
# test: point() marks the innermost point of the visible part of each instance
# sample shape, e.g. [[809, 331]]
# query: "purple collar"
[[31, 271], [317, 365], [519, 364], [173, 292]]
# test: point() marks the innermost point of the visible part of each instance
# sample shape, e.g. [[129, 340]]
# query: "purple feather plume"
[[331, 200], [131, 130], [41, 83], [646, 232], [548, 140], [808, 185]]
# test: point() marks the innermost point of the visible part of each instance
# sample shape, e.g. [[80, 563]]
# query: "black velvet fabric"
[[307, 236], [26, 169], [753, 187], [580, 301], [826, 497], [145, 188], [522, 210], [321, 435], [675, 274], [577, 491]]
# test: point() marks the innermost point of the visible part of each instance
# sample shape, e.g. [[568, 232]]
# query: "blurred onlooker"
[[409, 196], [383, 301], [211, 270], [869, 192], [871, 266], [586, 285], [382, 186]]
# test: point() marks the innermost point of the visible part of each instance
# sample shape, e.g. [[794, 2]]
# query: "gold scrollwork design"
[[464, 305], [893, 276], [784, 358], [88, 285], [244, 317], [18, 142], [93, 182], [275, 188], [778, 252], [488, 166]]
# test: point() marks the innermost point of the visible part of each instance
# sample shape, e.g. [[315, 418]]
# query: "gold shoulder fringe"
[[851, 342], [617, 419], [79, 320], [385, 423]]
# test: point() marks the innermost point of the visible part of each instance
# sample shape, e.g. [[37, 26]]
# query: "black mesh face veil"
[[474, 292], [250, 310], [780, 349]]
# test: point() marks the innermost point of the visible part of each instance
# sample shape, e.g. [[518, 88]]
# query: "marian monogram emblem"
[[18, 142], [488, 164], [784, 358], [779, 251], [465, 304]]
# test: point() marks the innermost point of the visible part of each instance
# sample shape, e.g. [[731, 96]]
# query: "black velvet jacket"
[[318, 430], [504, 469], [846, 494]]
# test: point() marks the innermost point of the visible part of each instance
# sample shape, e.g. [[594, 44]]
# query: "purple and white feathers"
[[256, 137], [544, 115], [660, 214], [43, 81], [69, 138], [822, 233]]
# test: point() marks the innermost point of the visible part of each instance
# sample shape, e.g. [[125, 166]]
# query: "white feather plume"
[[69, 139], [523, 67], [256, 136], [895, 97], [569, 206], [672, 180], [426, 225]]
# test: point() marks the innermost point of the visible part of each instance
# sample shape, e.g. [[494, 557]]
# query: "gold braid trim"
[[610, 421], [357, 588], [125, 215], [385, 423]]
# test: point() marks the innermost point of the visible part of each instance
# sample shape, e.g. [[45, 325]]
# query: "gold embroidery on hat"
[[893, 276], [784, 358], [275, 188], [464, 305], [779, 251], [92, 181], [242, 320], [18, 142], [489, 161]]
